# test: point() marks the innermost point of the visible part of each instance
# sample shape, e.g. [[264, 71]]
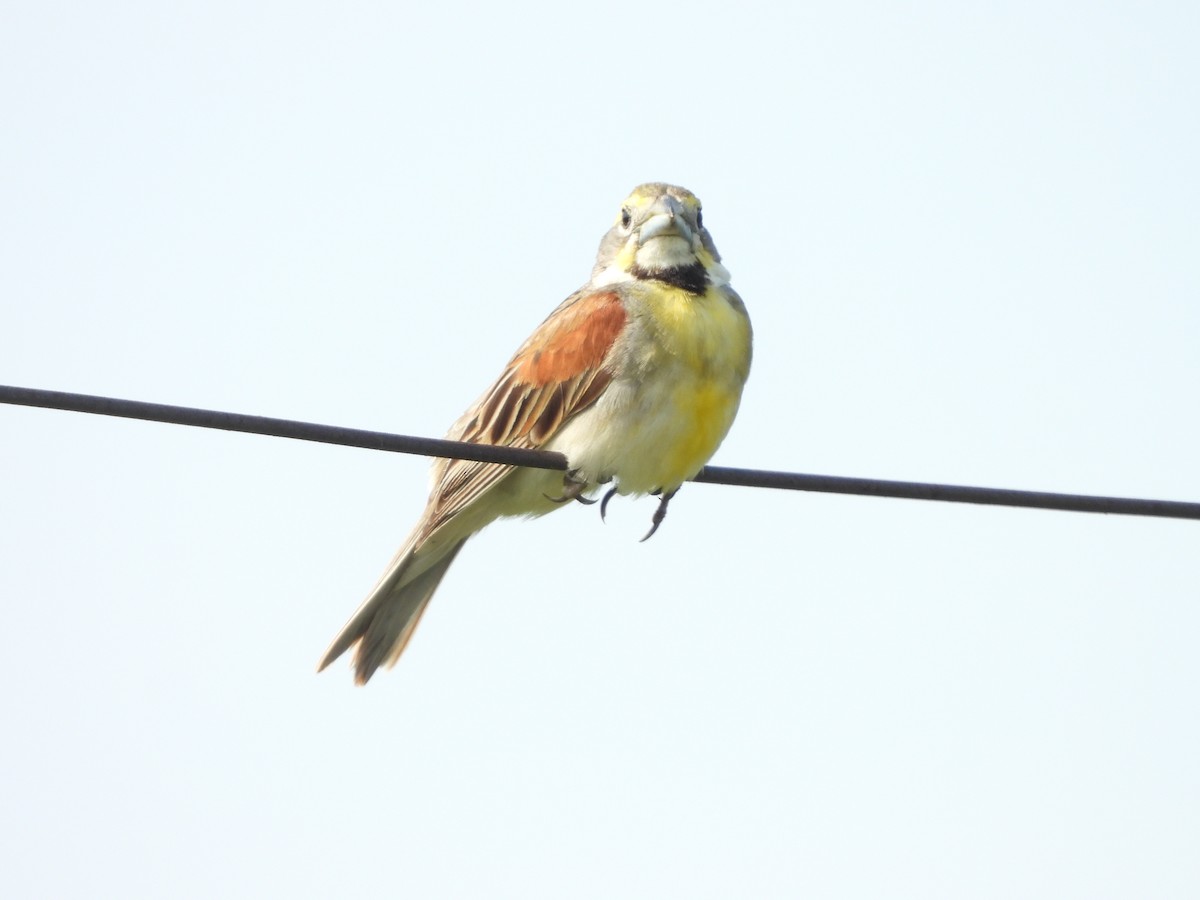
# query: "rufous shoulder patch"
[[574, 341]]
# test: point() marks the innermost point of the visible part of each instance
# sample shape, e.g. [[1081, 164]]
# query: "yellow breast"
[[704, 357]]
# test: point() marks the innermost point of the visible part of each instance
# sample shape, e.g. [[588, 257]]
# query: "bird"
[[636, 378]]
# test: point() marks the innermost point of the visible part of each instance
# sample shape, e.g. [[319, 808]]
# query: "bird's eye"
[[626, 217], [699, 218]]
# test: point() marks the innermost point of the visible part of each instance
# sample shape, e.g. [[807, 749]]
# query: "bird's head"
[[659, 235]]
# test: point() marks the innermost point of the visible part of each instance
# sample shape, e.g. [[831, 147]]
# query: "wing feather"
[[556, 374]]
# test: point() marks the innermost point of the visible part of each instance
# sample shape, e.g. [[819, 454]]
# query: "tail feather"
[[385, 622]]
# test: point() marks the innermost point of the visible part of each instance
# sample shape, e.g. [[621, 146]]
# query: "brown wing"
[[559, 372]]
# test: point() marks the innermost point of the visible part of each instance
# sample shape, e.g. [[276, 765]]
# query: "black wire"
[[286, 428], [542, 459]]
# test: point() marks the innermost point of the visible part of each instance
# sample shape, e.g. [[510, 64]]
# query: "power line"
[[285, 428], [542, 459]]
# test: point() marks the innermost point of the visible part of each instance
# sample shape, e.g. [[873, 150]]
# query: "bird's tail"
[[385, 622]]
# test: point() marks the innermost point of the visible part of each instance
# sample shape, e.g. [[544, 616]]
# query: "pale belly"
[[649, 438]]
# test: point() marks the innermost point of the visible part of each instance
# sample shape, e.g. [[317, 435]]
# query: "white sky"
[[968, 237]]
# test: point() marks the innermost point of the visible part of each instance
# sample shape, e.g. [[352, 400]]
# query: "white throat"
[[667, 252]]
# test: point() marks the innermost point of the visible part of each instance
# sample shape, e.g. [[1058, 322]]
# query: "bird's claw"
[[604, 503], [659, 514], [573, 488]]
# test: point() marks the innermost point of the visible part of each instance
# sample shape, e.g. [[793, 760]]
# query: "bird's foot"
[[660, 513], [573, 488]]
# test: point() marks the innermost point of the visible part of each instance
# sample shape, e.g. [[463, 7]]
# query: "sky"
[[967, 235]]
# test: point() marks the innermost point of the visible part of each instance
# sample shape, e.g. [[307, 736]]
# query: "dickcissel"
[[635, 378]]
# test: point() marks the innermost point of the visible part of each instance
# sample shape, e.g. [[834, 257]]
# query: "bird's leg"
[[660, 513], [604, 503], [573, 488]]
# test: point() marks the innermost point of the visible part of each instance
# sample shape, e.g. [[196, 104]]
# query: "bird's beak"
[[665, 219]]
